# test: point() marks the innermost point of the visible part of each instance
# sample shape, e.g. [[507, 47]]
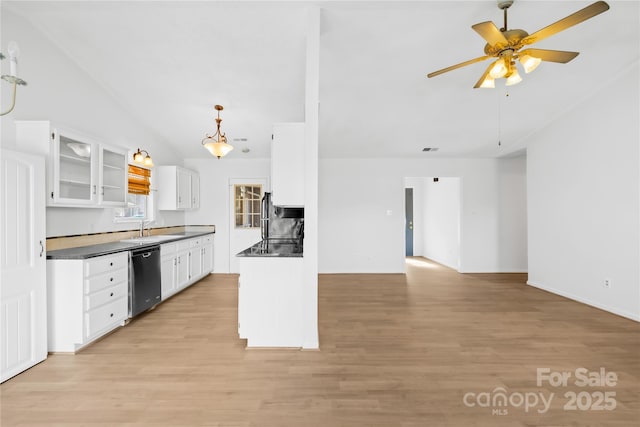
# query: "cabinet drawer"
[[106, 263], [97, 283], [104, 317], [195, 242], [167, 250], [106, 295], [182, 245]]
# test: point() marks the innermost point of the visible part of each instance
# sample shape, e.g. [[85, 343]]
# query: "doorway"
[[408, 221], [433, 219], [245, 196]]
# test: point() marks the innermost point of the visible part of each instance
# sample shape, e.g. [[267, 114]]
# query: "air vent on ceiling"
[[430, 149], [240, 139]]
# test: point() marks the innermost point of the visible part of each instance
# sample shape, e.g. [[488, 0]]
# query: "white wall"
[[512, 214], [583, 205], [441, 217], [60, 91], [214, 198], [356, 195]]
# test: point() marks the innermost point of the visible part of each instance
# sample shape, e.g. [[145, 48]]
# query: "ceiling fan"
[[505, 45]]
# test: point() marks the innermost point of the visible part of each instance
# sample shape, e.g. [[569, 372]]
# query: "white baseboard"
[[613, 310]]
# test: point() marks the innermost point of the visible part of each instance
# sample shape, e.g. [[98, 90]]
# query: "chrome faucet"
[[141, 234]]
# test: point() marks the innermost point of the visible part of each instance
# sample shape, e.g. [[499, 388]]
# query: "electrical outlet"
[[607, 283]]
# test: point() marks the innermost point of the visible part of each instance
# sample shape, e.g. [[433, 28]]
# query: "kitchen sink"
[[152, 239]]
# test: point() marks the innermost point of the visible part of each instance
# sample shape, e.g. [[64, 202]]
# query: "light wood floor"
[[395, 351]]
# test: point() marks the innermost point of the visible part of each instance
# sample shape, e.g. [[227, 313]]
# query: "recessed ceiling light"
[[245, 150], [430, 149]]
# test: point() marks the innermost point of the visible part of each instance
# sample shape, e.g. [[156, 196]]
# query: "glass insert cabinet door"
[[73, 165], [113, 188], [247, 205]]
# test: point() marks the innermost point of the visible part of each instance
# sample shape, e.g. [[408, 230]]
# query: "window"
[[140, 198], [136, 209], [247, 205]]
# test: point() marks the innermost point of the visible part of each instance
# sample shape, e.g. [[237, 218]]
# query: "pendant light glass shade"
[[217, 148]]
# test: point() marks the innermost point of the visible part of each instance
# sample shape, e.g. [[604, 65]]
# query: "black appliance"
[[279, 223], [144, 279]]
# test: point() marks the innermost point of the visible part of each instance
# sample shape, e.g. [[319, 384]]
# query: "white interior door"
[[243, 229], [23, 294]]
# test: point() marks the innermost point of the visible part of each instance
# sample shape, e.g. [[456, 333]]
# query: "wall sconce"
[[145, 160], [12, 77]]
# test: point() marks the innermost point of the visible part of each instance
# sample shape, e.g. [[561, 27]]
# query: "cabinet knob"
[[111, 315], [111, 279], [111, 264], [111, 294]]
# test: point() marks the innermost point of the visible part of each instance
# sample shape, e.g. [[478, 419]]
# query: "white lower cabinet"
[[270, 301], [87, 299], [207, 254], [184, 263], [168, 270]]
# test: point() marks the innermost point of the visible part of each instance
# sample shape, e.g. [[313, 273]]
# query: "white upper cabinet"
[[73, 162], [287, 164], [195, 190], [178, 188], [113, 174], [82, 172]]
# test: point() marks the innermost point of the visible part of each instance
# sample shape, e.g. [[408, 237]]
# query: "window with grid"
[[247, 205]]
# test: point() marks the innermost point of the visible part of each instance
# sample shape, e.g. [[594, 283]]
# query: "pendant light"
[[217, 143]]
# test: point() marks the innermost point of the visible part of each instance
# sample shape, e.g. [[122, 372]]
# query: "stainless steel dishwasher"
[[144, 279]]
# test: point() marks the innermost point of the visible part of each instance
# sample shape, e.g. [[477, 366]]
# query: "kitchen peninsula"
[[270, 295]]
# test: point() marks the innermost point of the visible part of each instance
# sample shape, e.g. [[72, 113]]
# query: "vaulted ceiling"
[[170, 62]]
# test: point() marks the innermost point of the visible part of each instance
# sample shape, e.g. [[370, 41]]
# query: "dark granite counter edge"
[[276, 251], [92, 251]]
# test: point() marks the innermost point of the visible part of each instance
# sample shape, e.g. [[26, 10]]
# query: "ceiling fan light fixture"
[[514, 78], [529, 63]]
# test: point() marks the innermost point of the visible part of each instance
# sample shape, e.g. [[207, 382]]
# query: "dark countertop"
[[83, 252], [273, 249]]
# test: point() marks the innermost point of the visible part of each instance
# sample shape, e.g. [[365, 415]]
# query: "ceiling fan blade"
[[568, 22], [490, 33], [561, 56], [460, 65], [484, 76]]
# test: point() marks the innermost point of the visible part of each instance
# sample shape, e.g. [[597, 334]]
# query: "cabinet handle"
[[194, 200], [111, 279], [111, 294], [41, 248], [102, 193], [111, 315], [111, 264], [94, 189]]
